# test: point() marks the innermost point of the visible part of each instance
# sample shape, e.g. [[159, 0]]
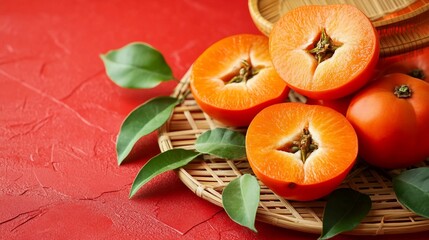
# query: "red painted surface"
[[60, 115]]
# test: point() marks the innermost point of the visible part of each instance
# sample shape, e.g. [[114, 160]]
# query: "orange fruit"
[[324, 52], [340, 104], [391, 117], [234, 79], [301, 152]]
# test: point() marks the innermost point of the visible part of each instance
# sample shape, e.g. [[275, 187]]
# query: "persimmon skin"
[[393, 132], [340, 105], [406, 63], [301, 192], [285, 174], [235, 104], [239, 118], [346, 71]]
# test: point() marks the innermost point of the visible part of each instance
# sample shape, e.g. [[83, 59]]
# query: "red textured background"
[[60, 115]]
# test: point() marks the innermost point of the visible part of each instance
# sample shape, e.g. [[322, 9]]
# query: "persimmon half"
[[324, 52], [301, 152], [234, 79]]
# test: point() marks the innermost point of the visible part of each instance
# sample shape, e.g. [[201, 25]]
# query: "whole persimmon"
[[391, 117], [324, 52], [301, 152], [234, 79], [414, 64]]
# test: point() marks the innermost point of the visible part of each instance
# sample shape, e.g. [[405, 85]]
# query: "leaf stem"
[[183, 97]]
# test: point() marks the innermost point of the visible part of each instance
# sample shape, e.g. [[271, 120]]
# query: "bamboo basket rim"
[[393, 39], [207, 176]]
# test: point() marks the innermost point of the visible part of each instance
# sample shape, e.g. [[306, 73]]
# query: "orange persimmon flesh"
[[324, 52], [234, 79], [294, 168]]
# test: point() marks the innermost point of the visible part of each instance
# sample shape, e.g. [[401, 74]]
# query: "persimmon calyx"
[[417, 73], [245, 72], [403, 91], [304, 144], [324, 48]]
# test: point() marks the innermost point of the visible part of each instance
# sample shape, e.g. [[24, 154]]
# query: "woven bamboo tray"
[[403, 25], [207, 176]]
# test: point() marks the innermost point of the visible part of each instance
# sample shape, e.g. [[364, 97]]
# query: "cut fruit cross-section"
[[234, 79], [324, 52], [301, 152]]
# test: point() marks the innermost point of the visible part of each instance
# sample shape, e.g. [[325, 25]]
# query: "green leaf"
[[223, 143], [143, 120], [240, 199], [412, 190], [168, 160], [136, 65], [345, 209]]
